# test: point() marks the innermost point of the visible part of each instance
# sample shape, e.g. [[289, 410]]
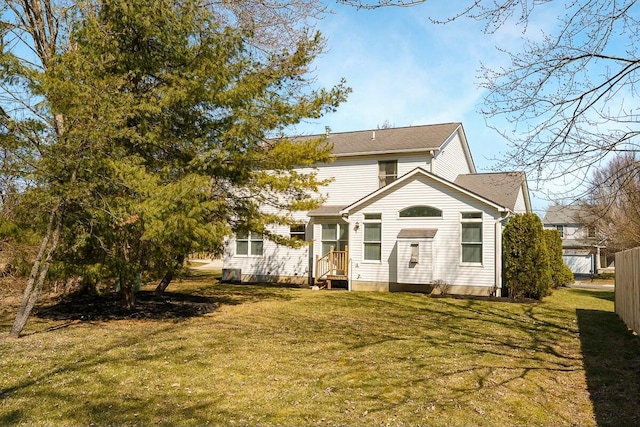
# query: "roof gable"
[[420, 171]]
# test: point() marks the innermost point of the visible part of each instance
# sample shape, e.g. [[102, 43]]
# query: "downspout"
[[345, 216], [498, 253], [432, 163]]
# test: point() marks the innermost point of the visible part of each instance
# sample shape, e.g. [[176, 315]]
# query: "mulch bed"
[[91, 307]]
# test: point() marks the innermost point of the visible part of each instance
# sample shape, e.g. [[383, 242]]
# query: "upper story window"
[[471, 237], [249, 243], [387, 172], [421, 212], [560, 229], [591, 231]]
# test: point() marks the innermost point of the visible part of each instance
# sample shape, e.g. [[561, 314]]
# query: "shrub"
[[561, 275], [567, 275], [526, 271]]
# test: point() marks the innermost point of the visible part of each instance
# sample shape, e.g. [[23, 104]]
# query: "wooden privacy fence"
[[627, 293]]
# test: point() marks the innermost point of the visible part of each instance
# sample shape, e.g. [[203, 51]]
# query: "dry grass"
[[278, 356]]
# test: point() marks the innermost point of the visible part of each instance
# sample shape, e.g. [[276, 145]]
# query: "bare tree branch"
[[373, 4]]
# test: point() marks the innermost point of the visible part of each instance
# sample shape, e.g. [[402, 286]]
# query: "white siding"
[[355, 177], [447, 265], [451, 160], [415, 272], [520, 205], [571, 231], [277, 260]]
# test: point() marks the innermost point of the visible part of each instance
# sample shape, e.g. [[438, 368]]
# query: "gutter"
[[498, 253]]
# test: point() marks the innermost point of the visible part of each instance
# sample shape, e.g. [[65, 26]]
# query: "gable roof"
[[501, 187], [393, 140], [569, 214], [420, 171]]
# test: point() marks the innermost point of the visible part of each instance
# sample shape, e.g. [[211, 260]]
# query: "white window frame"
[[339, 243], [298, 232], [471, 218], [253, 240], [371, 218], [560, 229]]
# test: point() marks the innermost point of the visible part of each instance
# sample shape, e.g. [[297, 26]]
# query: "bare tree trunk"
[[38, 272], [168, 277], [127, 292]]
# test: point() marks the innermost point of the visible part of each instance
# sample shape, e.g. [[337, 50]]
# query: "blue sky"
[[408, 71]]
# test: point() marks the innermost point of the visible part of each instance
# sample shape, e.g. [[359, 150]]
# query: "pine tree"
[[164, 143]]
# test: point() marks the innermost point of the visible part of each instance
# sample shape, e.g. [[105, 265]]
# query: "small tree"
[[560, 274], [526, 259]]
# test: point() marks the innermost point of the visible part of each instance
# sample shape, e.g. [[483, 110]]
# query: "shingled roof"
[[393, 140], [499, 187], [569, 214]]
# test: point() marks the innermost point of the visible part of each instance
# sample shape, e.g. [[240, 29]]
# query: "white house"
[[584, 249], [405, 210]]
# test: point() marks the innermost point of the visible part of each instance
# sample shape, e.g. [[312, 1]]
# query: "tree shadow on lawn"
[[605, 295], [611, 356], [169, 305]]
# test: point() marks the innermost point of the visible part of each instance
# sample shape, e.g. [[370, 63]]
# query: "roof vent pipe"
[[327, 130], [373, 137]]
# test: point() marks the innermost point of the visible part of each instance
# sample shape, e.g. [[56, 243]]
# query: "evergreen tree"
[[164, 124], [561, 275], [526, 260]]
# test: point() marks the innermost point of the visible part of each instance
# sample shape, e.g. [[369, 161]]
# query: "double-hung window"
[[560, 229], [336, 236], [471, 237], [249, 243], [387, 172], [373, 237], [297, 232]]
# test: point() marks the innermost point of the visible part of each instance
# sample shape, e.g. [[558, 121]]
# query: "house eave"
[[381, 152]]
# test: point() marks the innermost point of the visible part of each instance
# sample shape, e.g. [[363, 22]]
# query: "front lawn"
[[248, 355]]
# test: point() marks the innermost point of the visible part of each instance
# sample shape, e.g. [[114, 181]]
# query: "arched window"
[[421, 212]]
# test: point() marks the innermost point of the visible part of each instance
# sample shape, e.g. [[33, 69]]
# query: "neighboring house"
[[583, 248], [405, 210]]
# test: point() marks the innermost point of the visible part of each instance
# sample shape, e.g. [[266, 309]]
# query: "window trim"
[[251, 238], [560, 229], [299, 234], [373, 218], [471, 218]]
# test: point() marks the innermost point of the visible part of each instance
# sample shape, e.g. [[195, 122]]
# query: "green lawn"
[[278, 356]]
